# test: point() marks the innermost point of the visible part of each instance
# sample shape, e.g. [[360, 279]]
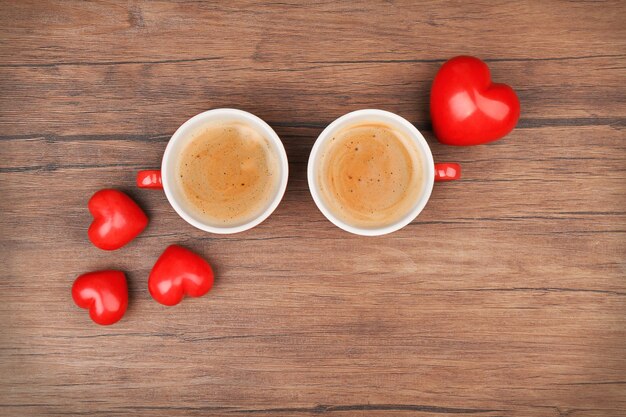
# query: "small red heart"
[[104, 293], [179, 272], [117, 219], [466, 108]]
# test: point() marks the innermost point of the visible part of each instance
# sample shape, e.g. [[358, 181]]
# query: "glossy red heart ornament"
[[466, 108], [179, 272], [104, 293], [117, 219]]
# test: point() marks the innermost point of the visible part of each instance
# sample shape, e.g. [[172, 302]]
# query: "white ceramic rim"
[[393, 119], [168, 163]]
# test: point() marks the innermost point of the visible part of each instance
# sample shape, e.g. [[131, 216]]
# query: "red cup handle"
[[150, 179], [447, 171]]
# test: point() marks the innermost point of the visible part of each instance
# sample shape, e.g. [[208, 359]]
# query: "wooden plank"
[[156, 98], [45, 32]]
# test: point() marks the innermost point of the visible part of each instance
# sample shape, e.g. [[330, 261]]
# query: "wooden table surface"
[[506, 297]]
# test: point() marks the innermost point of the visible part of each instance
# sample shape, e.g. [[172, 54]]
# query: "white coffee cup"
[[431, 172], [166, 177]]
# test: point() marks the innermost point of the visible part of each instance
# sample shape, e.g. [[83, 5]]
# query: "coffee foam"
[[228, 173], [370, 175]]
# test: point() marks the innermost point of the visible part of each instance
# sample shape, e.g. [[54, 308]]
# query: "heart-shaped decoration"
[[466, 108], [117, 219], [179, 272], [104, 293]]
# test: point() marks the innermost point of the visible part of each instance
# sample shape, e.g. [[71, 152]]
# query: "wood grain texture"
[[506, 297]]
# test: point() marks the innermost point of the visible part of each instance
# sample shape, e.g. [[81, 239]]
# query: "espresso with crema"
[[370, 175], [228, 173]]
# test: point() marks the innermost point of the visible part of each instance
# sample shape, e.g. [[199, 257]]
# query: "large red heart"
[[179, 272], [466, 108], [117, 219], [104, 293]]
